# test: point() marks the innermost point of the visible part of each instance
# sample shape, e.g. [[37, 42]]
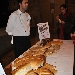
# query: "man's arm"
[[10, 24]]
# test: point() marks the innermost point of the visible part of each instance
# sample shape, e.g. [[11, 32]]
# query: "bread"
[[41, 57], [45, 71], [42, 71], [50, 67], [56, 42], [20, 61], [35, 64], [56, 47], [47, 45], [49, 52], [23, 64], [22, 70], [32, 73]]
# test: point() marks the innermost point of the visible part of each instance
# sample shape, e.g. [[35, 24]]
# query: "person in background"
[[18, 27], [72, 34], [64, 22]]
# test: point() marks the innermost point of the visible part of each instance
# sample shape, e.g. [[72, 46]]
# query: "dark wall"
[[3, 13]]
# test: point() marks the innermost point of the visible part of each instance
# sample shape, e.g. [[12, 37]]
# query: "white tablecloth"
[[63, 59]]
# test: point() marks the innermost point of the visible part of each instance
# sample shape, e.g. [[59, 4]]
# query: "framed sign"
[[43, 30]]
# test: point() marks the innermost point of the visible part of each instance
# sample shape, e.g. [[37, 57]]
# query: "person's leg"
[[26, 44], [17, 46], [21, 44]]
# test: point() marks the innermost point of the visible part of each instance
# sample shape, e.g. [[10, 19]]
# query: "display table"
[[63, 59]]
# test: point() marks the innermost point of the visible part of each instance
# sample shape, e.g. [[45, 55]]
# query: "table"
[[63, 59]]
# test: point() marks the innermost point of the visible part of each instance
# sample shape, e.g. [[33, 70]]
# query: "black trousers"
[[21, 44]]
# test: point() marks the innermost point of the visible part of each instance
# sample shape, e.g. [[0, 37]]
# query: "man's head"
[[23, 5]]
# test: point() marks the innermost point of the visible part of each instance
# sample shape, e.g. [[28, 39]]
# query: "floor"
[[8, 57]]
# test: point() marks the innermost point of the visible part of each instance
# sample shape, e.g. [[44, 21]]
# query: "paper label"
[[2, 70], [43, 30]]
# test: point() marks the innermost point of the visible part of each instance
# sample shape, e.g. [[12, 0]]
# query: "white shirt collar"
[[19, 12]]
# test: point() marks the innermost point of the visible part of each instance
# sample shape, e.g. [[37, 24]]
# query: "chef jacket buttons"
[[25, 31]]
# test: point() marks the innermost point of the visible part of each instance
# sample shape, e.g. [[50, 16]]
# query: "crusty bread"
[[35, 64], [20, 61], [56, 42], [42, 71], [47, 45], [50, 67], [49, 52], [41, 57], [56, 47], [28, 59], [45, 71], [22, 64], [32, 73], [22, 70]]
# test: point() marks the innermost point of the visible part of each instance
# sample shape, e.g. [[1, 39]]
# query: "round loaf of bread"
[[32, 73], [45, 71], [35, 64]]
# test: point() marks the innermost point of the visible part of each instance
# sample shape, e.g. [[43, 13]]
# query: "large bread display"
[[33, 61]]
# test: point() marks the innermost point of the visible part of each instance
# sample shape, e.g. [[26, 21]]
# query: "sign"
[[2, 70], [43, 30]]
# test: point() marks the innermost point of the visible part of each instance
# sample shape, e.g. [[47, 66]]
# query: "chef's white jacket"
[[18, 24]]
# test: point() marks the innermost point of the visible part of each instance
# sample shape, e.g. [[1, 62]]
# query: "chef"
[[18, 27]]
